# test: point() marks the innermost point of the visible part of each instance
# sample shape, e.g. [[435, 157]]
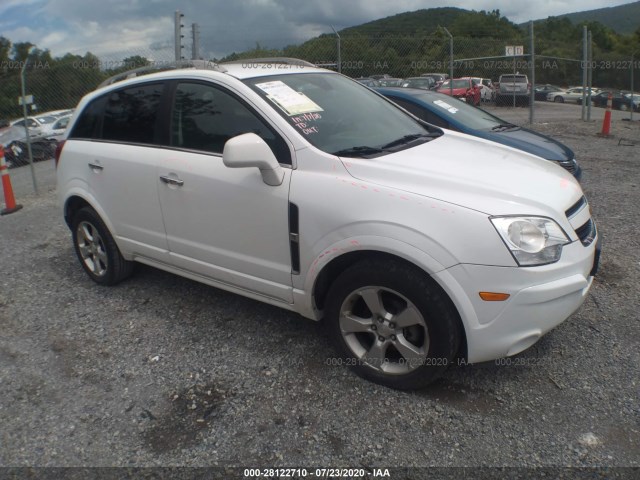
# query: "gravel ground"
[[163, 371]]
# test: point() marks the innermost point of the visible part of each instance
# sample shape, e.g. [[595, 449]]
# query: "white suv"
[[299, 187]]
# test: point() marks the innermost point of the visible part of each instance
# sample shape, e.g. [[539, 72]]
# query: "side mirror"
[[249, 150]]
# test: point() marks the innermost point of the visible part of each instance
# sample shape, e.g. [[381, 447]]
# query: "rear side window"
[[89, 120], [130, 115]]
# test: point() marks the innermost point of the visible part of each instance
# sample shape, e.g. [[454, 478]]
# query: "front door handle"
[[172, 181]]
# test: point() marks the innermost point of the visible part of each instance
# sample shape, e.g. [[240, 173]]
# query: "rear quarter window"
[[128, 115]]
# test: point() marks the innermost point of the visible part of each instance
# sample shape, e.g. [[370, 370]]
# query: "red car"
[[464, 89]]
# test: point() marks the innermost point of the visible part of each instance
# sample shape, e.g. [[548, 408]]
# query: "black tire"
[[97, 251], [431, 334], [558, 99]]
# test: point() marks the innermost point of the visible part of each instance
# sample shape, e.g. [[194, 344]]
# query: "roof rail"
[[159, 66], [278, 60]]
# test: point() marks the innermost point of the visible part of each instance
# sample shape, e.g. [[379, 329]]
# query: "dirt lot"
[[163, 371]]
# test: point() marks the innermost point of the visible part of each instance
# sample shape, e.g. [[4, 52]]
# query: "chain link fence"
[[56, 85]]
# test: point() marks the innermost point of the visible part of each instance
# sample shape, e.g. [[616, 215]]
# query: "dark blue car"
[[443, 111]]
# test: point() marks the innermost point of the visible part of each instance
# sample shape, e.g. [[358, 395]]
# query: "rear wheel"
[[558, 99], [97, 250], [392, 324]]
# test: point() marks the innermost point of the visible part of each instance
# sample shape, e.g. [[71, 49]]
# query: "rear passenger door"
[[223, 223], [116, 142]]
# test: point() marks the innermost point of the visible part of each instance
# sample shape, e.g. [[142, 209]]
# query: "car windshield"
[[456, 84], [339, 116], [417, 82], [513, 79], [455, 110], [47, 119]]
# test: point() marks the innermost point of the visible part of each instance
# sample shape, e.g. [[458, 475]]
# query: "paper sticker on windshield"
[[446, 106], [290, 101]]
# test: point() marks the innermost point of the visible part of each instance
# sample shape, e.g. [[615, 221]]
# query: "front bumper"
[[540, 299]]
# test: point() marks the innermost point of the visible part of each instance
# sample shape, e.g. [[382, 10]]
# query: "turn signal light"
[[493, 296]]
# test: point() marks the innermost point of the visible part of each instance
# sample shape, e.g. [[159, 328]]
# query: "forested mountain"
[[623, 19], [403, 45]]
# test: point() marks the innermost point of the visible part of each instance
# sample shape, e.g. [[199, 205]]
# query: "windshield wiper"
[[361, 151], [504, 126], [409, 138]]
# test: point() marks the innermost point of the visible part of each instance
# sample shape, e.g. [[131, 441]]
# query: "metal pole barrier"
[[514, 77], [26, 126], [590, 77], [585, 59], [532, 94], [631, 109], [450, 61], [339, 50]]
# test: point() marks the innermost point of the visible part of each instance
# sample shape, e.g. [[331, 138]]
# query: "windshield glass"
[[453, 109], [513, 78], [456, 84], [338, 115]]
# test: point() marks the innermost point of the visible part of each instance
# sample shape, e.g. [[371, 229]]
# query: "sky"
[[119, 28]]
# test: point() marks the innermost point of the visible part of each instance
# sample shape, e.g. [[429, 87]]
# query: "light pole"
[[632, 94], [26, 121]]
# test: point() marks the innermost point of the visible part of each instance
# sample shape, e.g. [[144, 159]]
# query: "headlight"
[[531, 240]]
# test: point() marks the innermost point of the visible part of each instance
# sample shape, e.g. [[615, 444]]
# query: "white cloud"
[[115, 26]]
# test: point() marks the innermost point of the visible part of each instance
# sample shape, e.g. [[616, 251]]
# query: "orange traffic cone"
[[9, 200], [606, 123]]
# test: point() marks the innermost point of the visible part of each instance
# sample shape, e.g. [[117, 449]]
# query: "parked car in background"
[[303, 189], [487, 92], [390, 82], [571, 95], [620, 100], [33, 125], [13, 139], [439, 78], [58, 128], [437, 109], [47, 119], [513, 88], [368, 82], [464, 89], [634, 101], [541, 91], [426, 83]]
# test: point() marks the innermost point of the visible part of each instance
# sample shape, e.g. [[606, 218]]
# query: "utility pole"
[[589, 76], [195, 49], [450, 61], [532, 97], [178, 35], [585, 62]]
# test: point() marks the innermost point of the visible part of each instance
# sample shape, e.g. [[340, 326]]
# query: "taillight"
[[58, 151]]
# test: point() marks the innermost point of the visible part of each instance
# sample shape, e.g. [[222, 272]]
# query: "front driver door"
[[223, 223]]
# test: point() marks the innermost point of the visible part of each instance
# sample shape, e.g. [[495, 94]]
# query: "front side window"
[[339, 116], [205, 117], [130, 114]]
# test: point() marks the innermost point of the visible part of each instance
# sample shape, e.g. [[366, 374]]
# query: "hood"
[[533, 143], [474, 173]]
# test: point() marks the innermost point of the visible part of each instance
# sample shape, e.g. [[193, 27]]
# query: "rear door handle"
[[96, 167], [172, 181]]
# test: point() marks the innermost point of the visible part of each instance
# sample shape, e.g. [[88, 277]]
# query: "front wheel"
[[558, 99], [392, 324], [97, 250]]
